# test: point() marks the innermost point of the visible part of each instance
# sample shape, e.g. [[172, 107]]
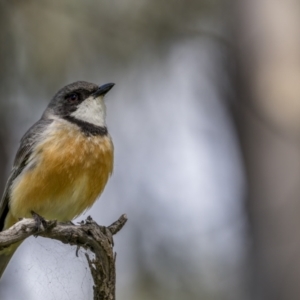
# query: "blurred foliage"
[[48, 39]]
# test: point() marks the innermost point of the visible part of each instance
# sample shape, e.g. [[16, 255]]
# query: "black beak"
[[103, 89]]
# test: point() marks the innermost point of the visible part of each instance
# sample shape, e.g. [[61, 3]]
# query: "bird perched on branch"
[[63, 162]]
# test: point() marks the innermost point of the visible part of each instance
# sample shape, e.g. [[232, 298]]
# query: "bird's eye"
[[72, 97]]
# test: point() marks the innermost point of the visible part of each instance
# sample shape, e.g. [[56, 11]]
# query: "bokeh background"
[[205, 118]]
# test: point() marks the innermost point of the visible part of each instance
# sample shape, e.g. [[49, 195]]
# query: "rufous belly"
[[69, 170]]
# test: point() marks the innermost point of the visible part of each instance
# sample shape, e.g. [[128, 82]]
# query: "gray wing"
[[24, 152]]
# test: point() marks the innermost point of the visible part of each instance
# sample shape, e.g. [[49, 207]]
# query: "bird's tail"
[[6, 255]]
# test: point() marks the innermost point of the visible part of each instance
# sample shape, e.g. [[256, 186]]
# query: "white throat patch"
[[91, 110]]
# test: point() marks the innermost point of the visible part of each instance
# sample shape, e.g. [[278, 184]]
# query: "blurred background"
[[205, 118]]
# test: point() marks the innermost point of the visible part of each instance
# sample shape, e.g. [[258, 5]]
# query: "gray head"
[[80, 100]]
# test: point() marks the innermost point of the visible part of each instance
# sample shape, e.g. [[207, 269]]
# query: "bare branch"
[[88, 235]]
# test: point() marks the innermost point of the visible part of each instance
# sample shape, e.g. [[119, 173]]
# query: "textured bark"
[[88, 235]]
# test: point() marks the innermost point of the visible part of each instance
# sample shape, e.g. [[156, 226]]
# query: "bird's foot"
[[40, 222], [69, 223]]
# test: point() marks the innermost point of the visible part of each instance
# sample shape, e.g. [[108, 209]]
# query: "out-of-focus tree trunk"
[[267, 45], [6, 74], [3, 161]]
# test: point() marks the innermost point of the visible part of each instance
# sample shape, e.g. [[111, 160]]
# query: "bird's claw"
[[40, 222]]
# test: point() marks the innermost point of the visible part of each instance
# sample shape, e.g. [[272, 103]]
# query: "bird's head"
[[82, 101]]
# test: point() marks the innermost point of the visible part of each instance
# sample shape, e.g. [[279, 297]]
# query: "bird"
[[63, 162]]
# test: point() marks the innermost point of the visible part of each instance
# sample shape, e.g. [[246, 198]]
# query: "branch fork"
[[87, 234]]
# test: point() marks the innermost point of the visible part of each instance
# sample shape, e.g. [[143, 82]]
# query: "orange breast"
[[70, 171]]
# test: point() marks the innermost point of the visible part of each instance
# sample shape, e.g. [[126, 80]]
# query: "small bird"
[[63, 163]]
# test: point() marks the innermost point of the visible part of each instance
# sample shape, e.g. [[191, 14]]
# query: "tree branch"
[[88, 235]]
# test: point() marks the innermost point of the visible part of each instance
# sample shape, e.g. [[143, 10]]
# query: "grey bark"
[[88, 235]]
